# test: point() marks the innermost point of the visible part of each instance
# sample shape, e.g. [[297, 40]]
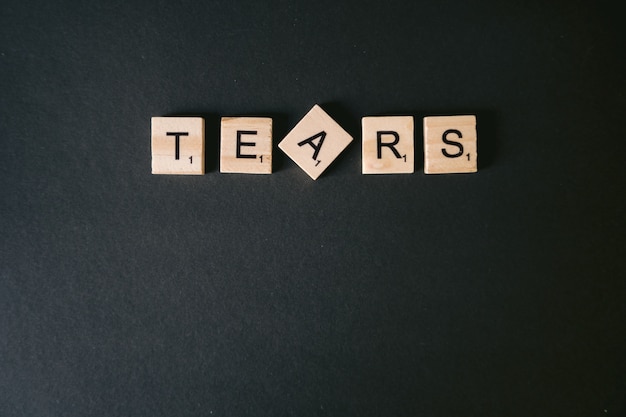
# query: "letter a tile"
[[450, 144], [388, 145], [315, 142], [178, 145]]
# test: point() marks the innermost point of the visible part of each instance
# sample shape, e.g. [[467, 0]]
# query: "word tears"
[[450, 144]]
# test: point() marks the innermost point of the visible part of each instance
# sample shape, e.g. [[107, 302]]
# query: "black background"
[[499, 293]]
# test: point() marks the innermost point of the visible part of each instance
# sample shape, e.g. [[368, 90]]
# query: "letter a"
[[319, 129], [316, 148]]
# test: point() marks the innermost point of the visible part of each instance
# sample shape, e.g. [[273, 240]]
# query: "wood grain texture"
[[246, 145], [178, 145], [388, 145], [315, 142], [450, 144]]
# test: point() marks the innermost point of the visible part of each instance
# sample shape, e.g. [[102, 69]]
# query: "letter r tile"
[[315, 142], [450, 144], [388, 145], [178, 145]]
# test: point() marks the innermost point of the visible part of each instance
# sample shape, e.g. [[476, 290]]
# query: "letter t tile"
[[178, 145]]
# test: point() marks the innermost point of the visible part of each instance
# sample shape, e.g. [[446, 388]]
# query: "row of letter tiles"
[[450, 144]]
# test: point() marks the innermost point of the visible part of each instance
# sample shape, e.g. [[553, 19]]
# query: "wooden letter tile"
[[388, 145], [246, 145], [178, 145], [450, 144], [315, 142]]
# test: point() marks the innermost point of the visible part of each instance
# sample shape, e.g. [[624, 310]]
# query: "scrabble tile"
[[246, 145], [450, 144], [178, 145], [315, 142], [388, 145]]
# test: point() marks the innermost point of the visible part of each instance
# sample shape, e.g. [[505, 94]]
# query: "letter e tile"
[[246, 145]]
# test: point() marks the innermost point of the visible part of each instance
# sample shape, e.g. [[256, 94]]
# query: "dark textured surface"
[[499, 293]]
